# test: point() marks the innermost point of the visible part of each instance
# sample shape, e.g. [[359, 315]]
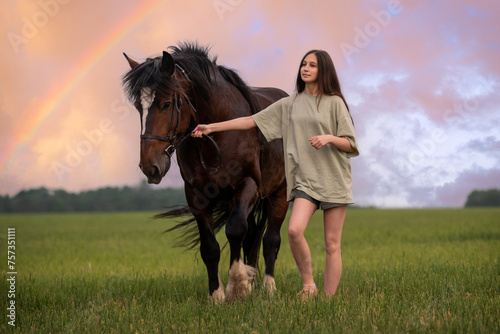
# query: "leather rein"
[[169, 151]]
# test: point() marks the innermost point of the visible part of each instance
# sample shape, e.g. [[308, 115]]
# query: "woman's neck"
[[312, 89]]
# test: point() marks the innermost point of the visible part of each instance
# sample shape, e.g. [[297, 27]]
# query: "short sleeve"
[[345, 127], [270, 120]]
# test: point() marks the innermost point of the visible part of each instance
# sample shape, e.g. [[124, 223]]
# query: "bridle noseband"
[[171, 140]]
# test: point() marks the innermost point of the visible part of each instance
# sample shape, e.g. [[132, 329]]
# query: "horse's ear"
[[131, 62], [167, 63]]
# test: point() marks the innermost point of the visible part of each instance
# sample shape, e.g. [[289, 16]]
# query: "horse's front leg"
[[209, 247], [240, 275], [210, 253]]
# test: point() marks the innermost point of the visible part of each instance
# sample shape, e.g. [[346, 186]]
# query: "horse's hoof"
[[269, 285], [218, 295], [240, 281]]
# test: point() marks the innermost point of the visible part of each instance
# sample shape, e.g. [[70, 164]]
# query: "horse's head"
[[158, 94]]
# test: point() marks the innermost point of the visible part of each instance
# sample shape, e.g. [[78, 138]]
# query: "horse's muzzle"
[[155, 171]]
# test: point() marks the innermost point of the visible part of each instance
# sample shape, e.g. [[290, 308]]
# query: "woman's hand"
[[200, 130], [343, 144], [319, 141]]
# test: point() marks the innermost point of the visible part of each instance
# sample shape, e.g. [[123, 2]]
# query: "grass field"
[[433, 271]]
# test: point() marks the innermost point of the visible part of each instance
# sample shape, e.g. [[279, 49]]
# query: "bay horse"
[[233, 178]]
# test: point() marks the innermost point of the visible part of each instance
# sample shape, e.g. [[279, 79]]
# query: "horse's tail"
[[258, 218], [191, 237]]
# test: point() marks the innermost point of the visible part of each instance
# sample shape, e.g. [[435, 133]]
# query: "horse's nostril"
[[155, 171]]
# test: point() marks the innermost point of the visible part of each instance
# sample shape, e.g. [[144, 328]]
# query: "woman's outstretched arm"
[[241, 123]]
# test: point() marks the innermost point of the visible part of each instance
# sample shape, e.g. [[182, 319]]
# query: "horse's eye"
[[166, 105]]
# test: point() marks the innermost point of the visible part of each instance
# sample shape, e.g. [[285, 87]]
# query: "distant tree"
[[5, 205], [63, 201], [490, 197], [141, 197], [32, 200]]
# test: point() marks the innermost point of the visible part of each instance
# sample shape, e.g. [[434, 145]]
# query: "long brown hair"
[[328, 81]]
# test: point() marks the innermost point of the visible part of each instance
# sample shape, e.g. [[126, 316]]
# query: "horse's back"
[[267, 95]]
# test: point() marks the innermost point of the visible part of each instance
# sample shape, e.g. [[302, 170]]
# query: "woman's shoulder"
[[330, 100], [333, 98], [278, 106], [287, 101], [335, 102]]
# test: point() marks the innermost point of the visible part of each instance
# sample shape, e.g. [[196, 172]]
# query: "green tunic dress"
[[323, 174]]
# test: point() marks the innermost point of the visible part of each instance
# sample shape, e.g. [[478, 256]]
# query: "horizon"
[[144, 183]]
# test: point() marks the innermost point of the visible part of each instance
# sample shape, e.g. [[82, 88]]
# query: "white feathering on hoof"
[[269, 284], [218, 295], [240, 280]]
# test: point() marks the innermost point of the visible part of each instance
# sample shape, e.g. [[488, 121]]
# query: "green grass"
[[433, 271]]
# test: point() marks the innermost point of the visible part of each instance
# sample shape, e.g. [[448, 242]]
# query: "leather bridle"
[[169, 151]]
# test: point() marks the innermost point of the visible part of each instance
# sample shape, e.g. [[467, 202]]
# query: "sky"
[[421, 78]]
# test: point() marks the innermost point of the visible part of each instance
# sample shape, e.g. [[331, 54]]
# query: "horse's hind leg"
[[278, 207], [240, 275]]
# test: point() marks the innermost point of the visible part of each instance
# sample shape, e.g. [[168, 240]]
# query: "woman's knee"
[[295, 233], [332, 247]]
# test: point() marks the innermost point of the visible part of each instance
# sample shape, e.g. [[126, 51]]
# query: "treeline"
[[490, 197], [140, 198]]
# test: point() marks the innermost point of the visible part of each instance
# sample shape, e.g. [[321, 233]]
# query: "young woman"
[[318, 140]]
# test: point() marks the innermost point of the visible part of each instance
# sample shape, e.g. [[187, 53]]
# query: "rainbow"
[[25, 134]]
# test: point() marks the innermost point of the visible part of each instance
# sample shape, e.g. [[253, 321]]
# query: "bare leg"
[[302, 212], [334, 222]]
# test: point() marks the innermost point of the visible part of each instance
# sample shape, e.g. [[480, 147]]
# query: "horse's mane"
[[148, 74], [200, 67]]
